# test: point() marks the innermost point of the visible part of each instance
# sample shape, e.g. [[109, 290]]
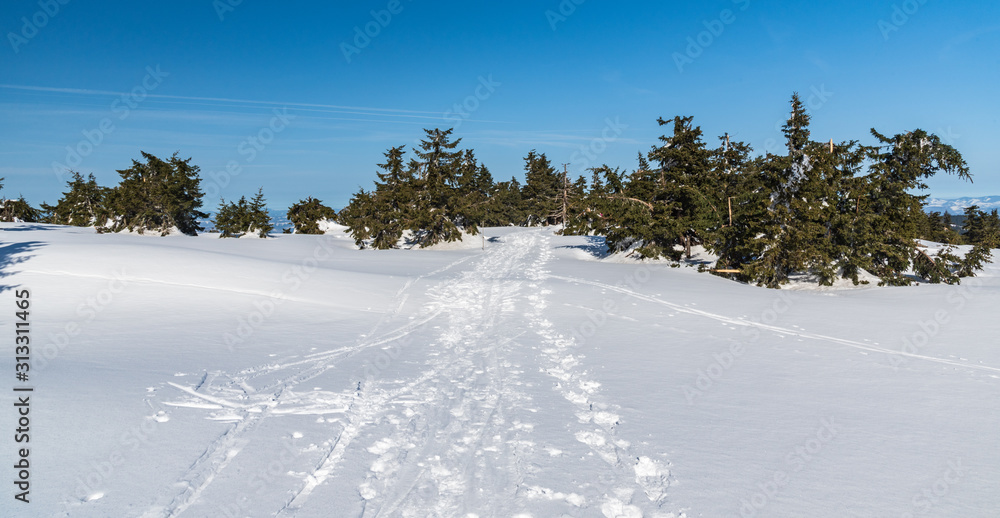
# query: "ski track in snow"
[[448, 441], [254, 405], [768, 327], [599, 423]]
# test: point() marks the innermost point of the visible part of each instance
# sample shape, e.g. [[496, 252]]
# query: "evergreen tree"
[[18, 210], [436, 167], [308, 213], [156, 195], [982, 228], [505, 205], [663, 210], [82, 205], [899, 166], [243, 217], [542, 191], [438, 195]]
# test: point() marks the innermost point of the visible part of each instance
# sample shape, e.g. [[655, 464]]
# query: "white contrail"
[[82, 91]]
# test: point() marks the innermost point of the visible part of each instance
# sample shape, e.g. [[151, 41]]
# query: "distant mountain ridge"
[[958, 205]]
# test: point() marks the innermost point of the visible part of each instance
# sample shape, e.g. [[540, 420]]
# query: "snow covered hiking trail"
[[452, 433]]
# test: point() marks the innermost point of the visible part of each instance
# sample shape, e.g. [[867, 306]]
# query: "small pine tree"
[[19, 210], [308, 213], [82, 205], [243, 217], [542, 191]]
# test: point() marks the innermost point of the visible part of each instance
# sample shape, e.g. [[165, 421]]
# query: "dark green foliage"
[[83, 205], [19, 210], [307, 213], [938, 228], [158, 196], [243, 217], [661, 211], [982, 228], [505, 205], [542, 191], [436, 196]]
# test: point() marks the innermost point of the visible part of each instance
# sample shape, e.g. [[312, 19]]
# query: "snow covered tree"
[[82, 205], [899, 166], [18, 210], [307, 213], [665, 209], [439, 194], [244, 217], [156, 195]]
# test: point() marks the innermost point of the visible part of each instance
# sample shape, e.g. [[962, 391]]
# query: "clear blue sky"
[[554, 81]]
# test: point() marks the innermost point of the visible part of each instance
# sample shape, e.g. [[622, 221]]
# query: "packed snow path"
[[455, 437]]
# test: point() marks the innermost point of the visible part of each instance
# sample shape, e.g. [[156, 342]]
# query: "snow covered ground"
[[299, 377]]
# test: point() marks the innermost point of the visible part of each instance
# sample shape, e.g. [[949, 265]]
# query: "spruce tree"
[[244, 217], [982, 228], [542, 190], [157, 195], [899, 166], [505, 205], [308, 213], [18, 210], [82, 205]]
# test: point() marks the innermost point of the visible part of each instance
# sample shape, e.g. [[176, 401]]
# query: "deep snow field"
[[520, 375]]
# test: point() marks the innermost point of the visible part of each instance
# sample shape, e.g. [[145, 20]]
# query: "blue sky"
[[272, 93]]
